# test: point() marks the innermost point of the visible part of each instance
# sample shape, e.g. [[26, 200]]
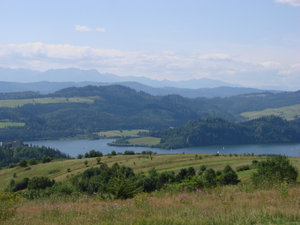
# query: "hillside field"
[[287, 112], [121, 133], [12, 103]]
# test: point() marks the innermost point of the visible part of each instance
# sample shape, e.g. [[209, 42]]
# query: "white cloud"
[[86, 28], [215, 56], [100, 29], [163, 65], [82, 28], [291, 2], [270, 64]]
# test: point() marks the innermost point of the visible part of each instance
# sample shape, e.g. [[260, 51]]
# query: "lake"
[[75, 147]]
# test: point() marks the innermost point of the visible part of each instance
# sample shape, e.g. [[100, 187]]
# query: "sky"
[[254, 43]]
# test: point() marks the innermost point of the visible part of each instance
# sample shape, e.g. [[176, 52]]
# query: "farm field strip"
[[287, 112], [12, 103], [121, 133]]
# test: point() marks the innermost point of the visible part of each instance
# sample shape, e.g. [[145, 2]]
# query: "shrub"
[[228, 176], [23, 163], [202, 169], [113, 152], [209, 178], [46, 159], [98, 159], [40, 183], [129, 152], [243, 168], [274, 170], [17, 186], [7, 205], [32, 161]]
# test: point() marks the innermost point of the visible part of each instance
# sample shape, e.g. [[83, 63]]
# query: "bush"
[[46, 159], [23, 163], [228, 176], [7, 205], [210, 178], [17, 186], [242, 168], [129, 152], [40, 183], [32, 161], [274, 170]]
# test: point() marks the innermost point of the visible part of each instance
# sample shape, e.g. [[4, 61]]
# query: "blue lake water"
[[75, 147]]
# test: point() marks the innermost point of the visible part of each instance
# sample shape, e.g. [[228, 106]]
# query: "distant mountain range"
[[77, 75], [189, 88]]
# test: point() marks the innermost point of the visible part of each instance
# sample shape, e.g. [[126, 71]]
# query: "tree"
[[210, 178], [274, 170], [23, 163], [228, 176], [40, 183], [32, 161]]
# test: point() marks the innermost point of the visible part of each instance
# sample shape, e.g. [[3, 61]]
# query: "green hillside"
[[58, 169], [86, 111]]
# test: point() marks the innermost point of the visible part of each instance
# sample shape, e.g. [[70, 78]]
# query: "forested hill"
[[84, 111], [215, 131]]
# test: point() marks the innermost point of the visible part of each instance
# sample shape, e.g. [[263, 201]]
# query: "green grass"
[[147, 141], [121, 133], [12, 103], [11, 124], [287, 112]]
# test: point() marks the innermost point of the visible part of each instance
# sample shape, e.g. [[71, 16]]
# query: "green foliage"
[[210, 178], [32, 161], [10, 156], [215, 131], [92, 154], [37, 183], [274, 170], [8, 202], [46, 159], [81, 111], [17, 186], [23, 163], [228, 176], [243, 168]]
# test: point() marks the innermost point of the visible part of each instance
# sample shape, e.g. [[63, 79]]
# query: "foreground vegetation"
[[185, 201], [229, 205]]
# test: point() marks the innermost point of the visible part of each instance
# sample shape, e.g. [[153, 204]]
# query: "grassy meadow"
[[287, 112], [229, 205], [121, 133], [12, 103], [5, 124], [147, 141], [239, 204]]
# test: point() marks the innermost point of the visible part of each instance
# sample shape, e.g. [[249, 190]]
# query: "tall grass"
[[223, 205]]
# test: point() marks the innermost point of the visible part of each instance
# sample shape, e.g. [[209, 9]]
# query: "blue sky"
[[248, 42]]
